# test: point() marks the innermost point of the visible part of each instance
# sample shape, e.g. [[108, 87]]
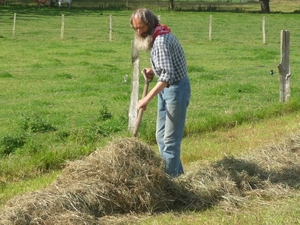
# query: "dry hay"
[[127, 178], [267, 173]]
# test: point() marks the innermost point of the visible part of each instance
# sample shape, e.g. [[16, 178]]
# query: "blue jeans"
[[172, 106]]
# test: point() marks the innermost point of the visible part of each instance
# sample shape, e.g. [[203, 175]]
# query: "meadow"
[[63, 98]]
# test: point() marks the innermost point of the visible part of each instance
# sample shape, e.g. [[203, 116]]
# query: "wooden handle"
[[141, 111], [138, 122]]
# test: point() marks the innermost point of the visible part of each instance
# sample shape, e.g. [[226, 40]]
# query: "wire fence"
[[103, 27], [231, 33]]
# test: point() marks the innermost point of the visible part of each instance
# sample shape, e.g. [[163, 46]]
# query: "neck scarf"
[[160, 29]]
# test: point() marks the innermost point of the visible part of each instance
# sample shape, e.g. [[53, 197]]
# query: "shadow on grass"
[[242, 172], [267, 172]]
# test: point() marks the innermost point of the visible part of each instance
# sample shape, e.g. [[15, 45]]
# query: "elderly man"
[[173, 88]]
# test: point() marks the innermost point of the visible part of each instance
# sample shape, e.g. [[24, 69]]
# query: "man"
[[173, 87]]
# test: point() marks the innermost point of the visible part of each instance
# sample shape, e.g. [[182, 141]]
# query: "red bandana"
[[160, 29]]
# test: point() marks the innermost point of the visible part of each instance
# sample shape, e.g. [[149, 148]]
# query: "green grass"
[[184, 5], [61, 99], [280, 213]]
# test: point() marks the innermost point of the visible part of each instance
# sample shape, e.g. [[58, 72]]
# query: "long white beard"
[[144, 44]]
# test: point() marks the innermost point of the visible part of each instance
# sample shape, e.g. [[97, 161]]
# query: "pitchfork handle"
[[141, 110]]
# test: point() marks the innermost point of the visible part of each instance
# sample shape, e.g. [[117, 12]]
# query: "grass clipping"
[[128, 177]]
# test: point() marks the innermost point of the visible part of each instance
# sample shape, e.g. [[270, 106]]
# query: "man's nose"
[[139, 32]]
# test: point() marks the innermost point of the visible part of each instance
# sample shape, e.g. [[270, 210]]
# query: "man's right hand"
[[149, 73]]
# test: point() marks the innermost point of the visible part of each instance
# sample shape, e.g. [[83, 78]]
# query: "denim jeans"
[[172, 106]]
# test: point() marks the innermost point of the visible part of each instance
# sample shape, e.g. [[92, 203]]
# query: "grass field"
[[191, 5], [61, 99]]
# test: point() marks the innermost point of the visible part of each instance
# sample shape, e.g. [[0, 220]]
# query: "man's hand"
[[149, 73], [143, 103]]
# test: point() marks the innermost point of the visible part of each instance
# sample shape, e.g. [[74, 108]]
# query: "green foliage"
[[112, 6], [51, 161], [221, 122], [9, 144], [36, 125], [104, 113], [211, 8], [64, 76], [63, 135], [5, 75]]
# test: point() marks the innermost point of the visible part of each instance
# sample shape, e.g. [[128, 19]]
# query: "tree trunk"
[[171, 4], [265, 6]]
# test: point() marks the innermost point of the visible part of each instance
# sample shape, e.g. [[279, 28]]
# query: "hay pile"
[[271, 172], [128, 177]]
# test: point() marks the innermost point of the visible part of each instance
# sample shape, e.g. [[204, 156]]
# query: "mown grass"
[[279, 213], [60, 99]]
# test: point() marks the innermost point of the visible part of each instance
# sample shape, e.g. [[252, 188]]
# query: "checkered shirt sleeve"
[[168, 59]]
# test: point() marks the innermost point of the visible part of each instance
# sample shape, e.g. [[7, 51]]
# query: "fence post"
[[135, 56], [210, 28], [284, 67], [110, 28], [14, 25], [264, 29], [62, 26]]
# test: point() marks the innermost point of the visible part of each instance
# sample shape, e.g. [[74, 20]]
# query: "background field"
[[61, 99], [191, 5]]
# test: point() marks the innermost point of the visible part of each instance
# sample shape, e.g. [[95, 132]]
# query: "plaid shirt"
[[168, 59]]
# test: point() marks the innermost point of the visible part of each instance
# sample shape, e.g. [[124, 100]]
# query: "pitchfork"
[[141, 110]]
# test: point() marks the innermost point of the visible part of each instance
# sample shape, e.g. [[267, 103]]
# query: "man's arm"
[[143, 103]]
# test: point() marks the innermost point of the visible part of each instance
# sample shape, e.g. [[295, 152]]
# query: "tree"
[[265, 6], [171, 6]]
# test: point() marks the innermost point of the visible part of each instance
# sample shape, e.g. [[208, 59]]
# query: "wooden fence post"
[[284, 67], [14, 25], [62, 32], [133, 113], [110, 28], [264, 29], [210, 28]]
